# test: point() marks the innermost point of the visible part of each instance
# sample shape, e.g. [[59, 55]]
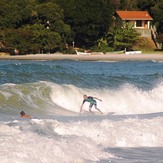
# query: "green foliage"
[[89, 19], [31, 39], [52, 13], [23, 24], [124, 4], [16, 39], [146, 5], [102, 45], [14, 13], [122, 37], [158, 16], [44, 39]]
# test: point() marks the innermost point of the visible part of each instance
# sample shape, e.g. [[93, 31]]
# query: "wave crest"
[[47, 98]]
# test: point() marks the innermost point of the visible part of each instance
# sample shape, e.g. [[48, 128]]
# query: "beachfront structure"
[[141, 21]]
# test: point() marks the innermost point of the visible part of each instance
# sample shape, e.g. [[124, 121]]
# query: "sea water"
[[129, 131]]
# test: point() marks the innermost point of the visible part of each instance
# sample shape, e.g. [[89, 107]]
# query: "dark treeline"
[[35, 26]]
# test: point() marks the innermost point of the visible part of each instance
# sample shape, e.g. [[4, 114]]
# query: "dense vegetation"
[[36, 26]]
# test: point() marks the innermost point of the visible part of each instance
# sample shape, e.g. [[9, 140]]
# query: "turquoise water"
[[130, 130]]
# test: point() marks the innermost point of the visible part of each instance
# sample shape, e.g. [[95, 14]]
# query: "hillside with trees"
[[48, 26]]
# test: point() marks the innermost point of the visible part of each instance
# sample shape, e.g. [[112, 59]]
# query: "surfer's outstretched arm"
[[97, 98]]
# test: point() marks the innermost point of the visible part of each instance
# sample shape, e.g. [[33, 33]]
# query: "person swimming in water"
[[23, 115], [92, 102]]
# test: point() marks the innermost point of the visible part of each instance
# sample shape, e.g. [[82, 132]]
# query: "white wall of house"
[[141, 24]]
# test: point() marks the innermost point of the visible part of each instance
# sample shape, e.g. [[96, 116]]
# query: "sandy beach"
[[94, 57]]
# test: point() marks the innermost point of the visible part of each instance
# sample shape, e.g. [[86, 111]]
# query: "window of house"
[[139, 23]]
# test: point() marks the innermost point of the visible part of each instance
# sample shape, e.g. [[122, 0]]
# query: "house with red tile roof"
[[141, 20]]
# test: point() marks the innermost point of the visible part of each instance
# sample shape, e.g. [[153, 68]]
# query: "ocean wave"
[[47, 98]]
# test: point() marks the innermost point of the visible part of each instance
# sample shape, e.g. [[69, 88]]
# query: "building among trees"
[[141, 21]]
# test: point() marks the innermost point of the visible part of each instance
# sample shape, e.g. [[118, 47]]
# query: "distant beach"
[[93, 57]]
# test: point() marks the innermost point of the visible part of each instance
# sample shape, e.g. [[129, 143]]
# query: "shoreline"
[[94, 57]]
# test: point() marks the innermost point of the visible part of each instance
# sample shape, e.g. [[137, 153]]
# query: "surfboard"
[[96, 113]]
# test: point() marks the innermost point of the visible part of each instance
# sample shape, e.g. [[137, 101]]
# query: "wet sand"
[[94, 57]]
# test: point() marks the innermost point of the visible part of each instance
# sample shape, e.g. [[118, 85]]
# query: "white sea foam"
[[80, 140], [51, 98], [63, 136], [41, 143], [125, 100]]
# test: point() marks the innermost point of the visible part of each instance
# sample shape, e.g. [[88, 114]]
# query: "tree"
[[158, 16], [23, 26], [14, 13], [31, 39], [146, 5], [52, 14], [122, 37], [89, 20], [44, 39], [16, 39], [32, 25], [127, 5]]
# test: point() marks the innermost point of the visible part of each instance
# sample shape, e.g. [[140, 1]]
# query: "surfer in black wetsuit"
[[92, 102]]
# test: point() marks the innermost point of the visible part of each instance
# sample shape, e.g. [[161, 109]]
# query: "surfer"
[[23, 115], [92, 102]]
